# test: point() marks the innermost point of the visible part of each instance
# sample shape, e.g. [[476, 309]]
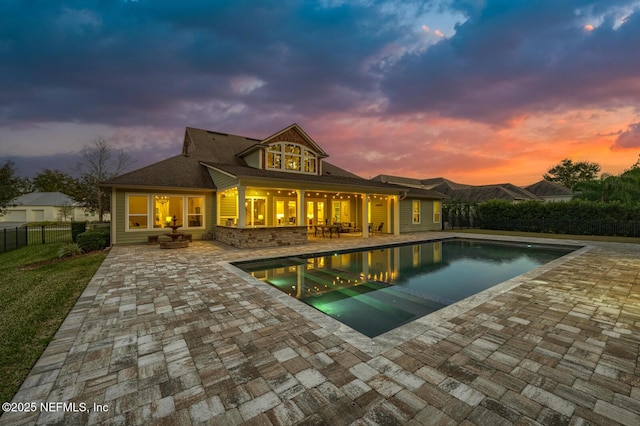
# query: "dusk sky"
[[475, 91]]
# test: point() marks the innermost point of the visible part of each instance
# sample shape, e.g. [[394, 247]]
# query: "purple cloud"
[[630, 138], [515, 58]]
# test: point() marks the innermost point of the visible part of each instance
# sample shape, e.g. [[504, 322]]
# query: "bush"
[[70, 250], [574, 217], [93, 240], [77, 228]]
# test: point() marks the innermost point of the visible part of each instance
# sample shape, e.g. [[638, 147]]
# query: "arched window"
[[291, 157]]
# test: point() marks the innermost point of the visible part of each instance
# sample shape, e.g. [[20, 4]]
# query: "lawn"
[[36, 296]]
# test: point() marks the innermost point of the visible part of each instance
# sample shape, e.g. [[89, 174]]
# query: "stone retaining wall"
[[262, 237]]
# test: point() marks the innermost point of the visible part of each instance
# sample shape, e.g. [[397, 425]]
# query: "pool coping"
[[374, 346]]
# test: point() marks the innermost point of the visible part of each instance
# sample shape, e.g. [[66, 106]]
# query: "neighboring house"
[[260, 192], [550, 191], [46, 207], [458, 192]]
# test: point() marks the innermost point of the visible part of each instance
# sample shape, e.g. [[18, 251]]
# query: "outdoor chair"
[[378, 230]]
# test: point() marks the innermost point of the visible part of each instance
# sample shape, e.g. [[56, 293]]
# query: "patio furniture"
[[377, 230]]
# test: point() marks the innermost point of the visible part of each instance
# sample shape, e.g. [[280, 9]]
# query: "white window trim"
[[437, 212], [413, 213], [283, 154], [128, 215], [150, 212]]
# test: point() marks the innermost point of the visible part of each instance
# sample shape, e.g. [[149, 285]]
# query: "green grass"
[[604, 238], [35, 301]]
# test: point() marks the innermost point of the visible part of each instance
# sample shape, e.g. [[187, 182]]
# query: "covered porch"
[[265, 216]]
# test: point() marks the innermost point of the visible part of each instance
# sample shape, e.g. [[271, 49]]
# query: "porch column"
[[218, 198], [396, 215], [300, 213], [242, 214], [365, 215], [113, 217]]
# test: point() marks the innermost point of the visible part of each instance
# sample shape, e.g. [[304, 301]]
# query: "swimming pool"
[[376, 290]]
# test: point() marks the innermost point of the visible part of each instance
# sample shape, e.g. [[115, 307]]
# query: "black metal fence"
[[13, 238], [618, 228]]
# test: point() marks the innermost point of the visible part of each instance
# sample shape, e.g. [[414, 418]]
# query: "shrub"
[[93, 240], [77, 228], [70, 250]]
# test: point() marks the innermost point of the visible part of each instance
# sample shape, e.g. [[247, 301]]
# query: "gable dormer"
[[290, 150]]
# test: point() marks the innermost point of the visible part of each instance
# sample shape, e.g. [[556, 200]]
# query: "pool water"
[[376, 290]]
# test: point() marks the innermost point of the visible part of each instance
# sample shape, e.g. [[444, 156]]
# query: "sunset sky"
[[477, 91]]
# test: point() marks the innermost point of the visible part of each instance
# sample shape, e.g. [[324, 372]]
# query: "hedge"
[[574, 217], [96, 239], [76, 229]]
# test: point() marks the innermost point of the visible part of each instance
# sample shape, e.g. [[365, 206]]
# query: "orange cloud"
[[425, 146]]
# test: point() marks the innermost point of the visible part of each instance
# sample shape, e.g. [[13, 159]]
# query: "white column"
[[114, 216], [300, 207], [396, 215], [218, 199], [242, 215], [365, 215]]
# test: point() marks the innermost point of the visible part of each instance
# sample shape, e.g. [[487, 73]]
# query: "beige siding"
[[379, 214], [426, 216]]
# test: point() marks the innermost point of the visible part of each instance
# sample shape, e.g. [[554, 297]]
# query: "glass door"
[[255, 211], [315, 213]]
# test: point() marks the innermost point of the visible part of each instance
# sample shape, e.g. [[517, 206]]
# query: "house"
[[543, 190], [46, 207], [261, 192], [550, 191]]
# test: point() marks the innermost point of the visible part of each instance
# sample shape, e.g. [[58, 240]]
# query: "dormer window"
[[291, 157], [310, 162]]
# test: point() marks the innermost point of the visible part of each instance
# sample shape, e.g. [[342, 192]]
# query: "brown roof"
[[204, 148], [175, 172], [332, 175]]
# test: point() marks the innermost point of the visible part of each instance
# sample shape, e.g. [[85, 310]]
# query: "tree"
[[9, 185], [624, 189], [55, 181], [99, 163], [65, 211], [568, 173]]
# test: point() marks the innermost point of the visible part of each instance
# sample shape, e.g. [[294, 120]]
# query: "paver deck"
[[181, 337]]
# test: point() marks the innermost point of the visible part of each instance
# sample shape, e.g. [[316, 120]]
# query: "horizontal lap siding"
[[426, 216], [137, 237], [379, 214], [221, 180]]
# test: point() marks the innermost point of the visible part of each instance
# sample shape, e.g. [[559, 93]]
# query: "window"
[[195, 207], [156, 211], [286, 212], [436, 212], [291, 157], [165, 208], [138, 212], [274, 157], [416, 212], [310, 162]]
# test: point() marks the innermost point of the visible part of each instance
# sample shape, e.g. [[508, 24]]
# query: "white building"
[[47, 207]]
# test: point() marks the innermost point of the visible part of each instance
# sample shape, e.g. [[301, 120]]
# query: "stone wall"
[[262, 237]]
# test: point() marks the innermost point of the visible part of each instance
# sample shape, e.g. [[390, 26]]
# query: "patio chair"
[[378, 230]]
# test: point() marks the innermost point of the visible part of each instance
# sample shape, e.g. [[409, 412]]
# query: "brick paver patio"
[[181, 337]]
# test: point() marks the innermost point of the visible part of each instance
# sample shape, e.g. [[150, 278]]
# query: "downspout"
[[403, 195]]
